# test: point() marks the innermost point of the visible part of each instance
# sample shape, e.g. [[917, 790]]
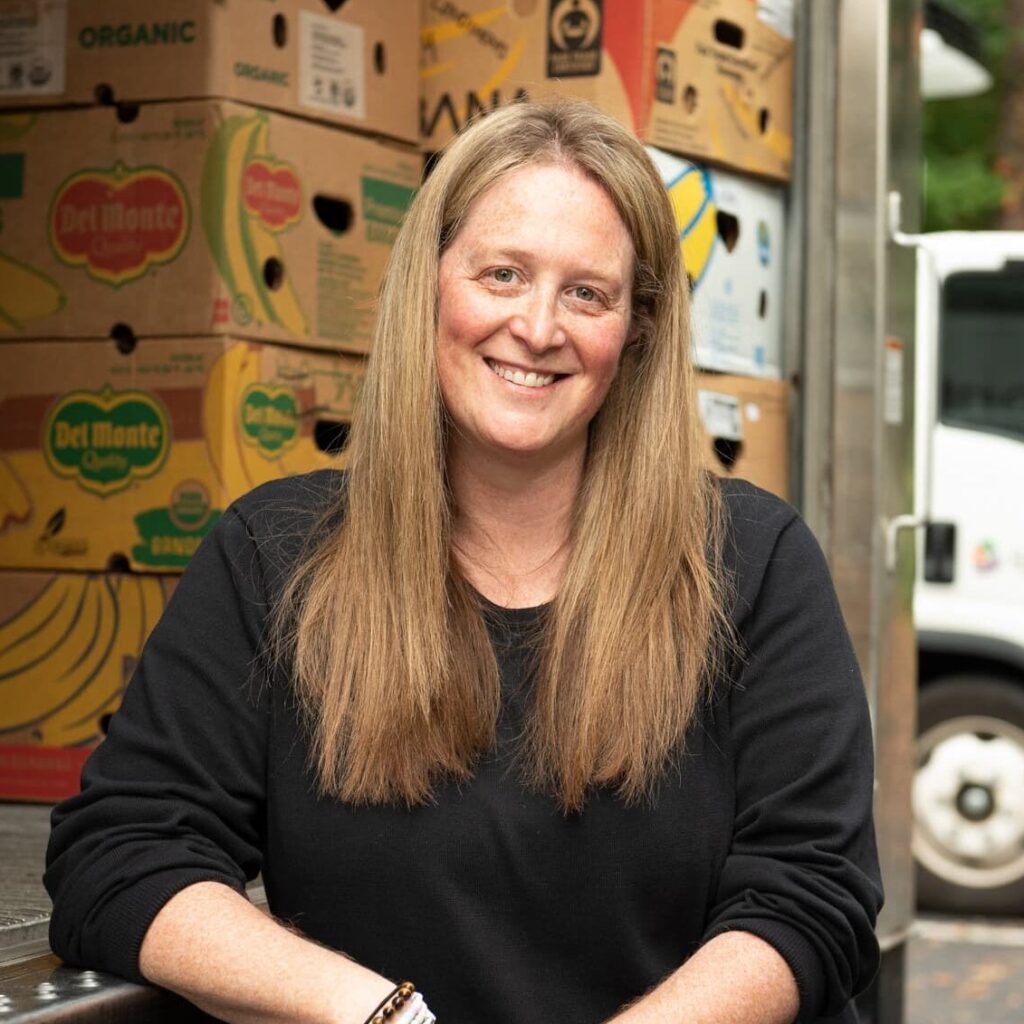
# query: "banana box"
[[68, 646], [732, 234], [709, 78], [195, 219], [352, 63], [747, 425], [126, 459]]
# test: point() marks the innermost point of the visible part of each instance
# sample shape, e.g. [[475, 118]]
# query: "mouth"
[[526, 378]]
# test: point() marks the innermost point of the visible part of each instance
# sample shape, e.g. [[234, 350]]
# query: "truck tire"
[[968, 796]]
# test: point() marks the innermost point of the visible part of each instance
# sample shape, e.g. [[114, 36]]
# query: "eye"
[[503, 275], [586, 294]]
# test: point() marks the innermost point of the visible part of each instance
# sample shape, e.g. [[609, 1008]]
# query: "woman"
[[552, 723]]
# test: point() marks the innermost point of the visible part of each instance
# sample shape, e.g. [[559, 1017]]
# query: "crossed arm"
[[266, 974]]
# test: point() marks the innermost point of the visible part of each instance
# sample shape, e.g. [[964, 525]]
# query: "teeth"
[[529, 380]]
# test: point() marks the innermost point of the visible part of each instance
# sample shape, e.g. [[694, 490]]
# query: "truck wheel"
[[968, 796]]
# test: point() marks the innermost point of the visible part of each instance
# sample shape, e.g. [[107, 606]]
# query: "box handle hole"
[[280, 31], [118, 562], [124, 338], [728, 451], [273, 273], [728, 33], [104, 94], [331, 436], [728, 229], [127, 112], [380, 58], [334, 214]]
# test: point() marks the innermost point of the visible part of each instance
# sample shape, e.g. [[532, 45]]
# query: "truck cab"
[[968, 790]]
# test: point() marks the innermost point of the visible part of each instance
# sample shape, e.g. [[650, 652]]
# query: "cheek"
[[606, 351], [464, 319]]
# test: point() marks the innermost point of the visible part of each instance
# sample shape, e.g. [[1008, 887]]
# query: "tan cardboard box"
[[747, 423], [127, 460], [712, 79], [68, 646], [353, 63], [195, 219]]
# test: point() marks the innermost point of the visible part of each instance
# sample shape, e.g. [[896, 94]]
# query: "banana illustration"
[[25, 294], [63, 656], [691, 194], [233, 372], [241, 246], [776, 142], [237, 463], [15, 502]]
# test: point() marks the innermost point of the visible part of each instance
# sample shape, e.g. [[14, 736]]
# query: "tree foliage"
[[962, 187]]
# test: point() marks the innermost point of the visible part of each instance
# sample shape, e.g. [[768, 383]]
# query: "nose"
[[537, 322]]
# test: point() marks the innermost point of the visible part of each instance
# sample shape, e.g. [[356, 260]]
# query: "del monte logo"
[[272, 192], [118, 222], [270, 419], [105, 440]]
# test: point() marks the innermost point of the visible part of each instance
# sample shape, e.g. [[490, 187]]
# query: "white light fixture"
[[950, 56]]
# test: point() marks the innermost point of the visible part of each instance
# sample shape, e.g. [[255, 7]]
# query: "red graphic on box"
[[272, 193], [117, 223]]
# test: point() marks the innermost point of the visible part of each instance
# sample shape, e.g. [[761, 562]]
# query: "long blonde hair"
[[389, 652]]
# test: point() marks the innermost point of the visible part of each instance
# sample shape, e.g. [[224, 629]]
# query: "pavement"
[[965, 971]]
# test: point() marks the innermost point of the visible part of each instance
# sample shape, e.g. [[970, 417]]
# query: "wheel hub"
[[968, 801]]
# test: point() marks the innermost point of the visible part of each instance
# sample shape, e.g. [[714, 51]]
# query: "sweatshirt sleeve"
[[174, 794], [802, 871]]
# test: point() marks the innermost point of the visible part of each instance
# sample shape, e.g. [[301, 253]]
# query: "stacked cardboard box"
[[197, 204], [697, 80]]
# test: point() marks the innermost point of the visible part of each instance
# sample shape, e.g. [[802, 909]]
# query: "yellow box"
[[133, 464], [68, 646], [195, 219]]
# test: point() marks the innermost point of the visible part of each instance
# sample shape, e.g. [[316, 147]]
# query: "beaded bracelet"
[[392, 1003]]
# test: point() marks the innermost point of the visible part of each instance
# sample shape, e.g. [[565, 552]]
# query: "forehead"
[[554, 205]]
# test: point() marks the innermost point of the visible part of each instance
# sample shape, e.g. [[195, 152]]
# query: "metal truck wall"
[[852, 327]]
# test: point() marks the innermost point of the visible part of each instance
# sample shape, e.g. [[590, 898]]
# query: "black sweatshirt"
[[499, 907]]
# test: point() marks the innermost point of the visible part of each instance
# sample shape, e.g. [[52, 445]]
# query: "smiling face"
[[533, 313]]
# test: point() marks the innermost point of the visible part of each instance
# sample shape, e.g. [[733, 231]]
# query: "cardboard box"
[[731, 231], [352, 63], [709, 78], [195, 219], [68, 646], [747, 425], [127, 460]]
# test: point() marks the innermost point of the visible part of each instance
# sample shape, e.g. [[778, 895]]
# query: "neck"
[[512, 522]]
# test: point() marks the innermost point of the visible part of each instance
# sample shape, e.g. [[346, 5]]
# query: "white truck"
[[968, 791]]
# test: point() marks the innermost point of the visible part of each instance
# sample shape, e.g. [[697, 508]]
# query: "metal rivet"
[[89, 979], [46, 990]]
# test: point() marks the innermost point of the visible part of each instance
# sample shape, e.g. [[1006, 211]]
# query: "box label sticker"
[[721, 414], [331, 73], [665, 75], [574, 38], [105, 440], [32, 47]]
